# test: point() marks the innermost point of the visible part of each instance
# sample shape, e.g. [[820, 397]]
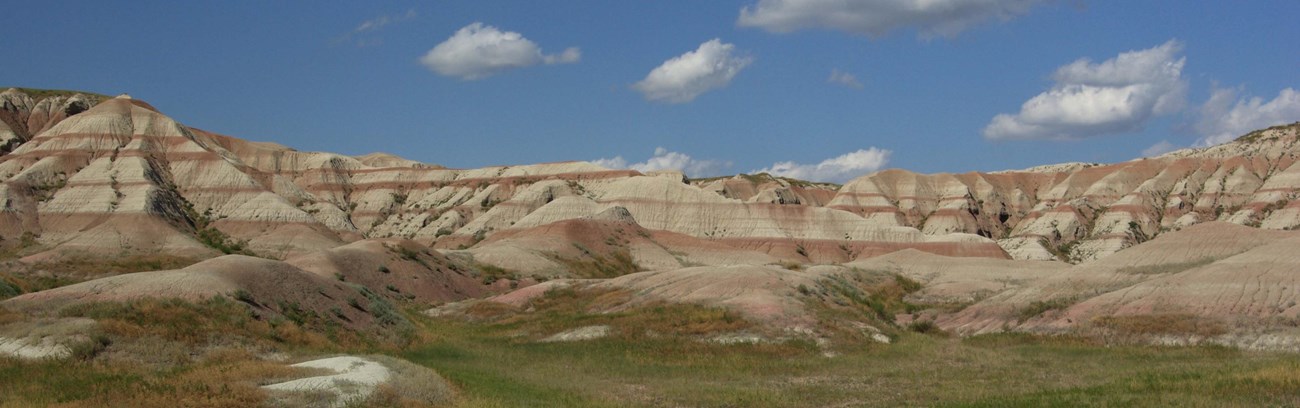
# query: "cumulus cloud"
[[478, 51], [664, 159], [1159, 148], [684, 77], [1091, 99], [837, 169], [1225, 116], [844, 79], [877, 17]]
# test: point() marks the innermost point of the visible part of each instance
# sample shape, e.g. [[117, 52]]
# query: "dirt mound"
[[606, 245], [264, 284], [397, 268], [763, 293]]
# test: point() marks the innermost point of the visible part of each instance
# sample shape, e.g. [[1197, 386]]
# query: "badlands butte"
[[107, 199]]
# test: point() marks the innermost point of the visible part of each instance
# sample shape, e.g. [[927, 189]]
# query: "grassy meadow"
[[493, 370], [164, 353]]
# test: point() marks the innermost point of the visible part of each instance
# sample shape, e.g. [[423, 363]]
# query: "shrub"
[[87, 350], [410, 255], [1038, 307], [213, 237], [923, 326], [907, 284], [493, 273], [244, 296], [8, 289]]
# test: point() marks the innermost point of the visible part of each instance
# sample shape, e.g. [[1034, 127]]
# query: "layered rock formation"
[[25, 113], [124, 178], [1207, 227], [121, 177], [1082, 212]]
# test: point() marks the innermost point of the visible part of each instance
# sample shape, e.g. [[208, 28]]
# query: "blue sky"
[[573, 80]]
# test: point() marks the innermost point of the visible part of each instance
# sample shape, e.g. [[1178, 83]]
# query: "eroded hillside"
[[122, 177]]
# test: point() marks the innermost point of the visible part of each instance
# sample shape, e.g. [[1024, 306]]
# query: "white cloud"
[[1225, 116], [1091, 99], [381, 21], [844, 79], [1159, 148], [682, 78], [365, 34], [664, 159], [838, 169], [478, 51], [877, 17]]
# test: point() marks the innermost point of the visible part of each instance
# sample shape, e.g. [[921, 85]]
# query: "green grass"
[[498, 362], [211, 236], [655, 358], [589, 264], [492, 369]]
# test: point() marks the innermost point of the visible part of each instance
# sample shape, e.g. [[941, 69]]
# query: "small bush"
[[410, 255], [907, 284], [87, 350], [244, 296], [924, 326], [493, 273], [8, 289], [213, 237], [1038, 307]]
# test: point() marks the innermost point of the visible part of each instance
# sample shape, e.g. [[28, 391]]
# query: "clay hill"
[[1196, 237]]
